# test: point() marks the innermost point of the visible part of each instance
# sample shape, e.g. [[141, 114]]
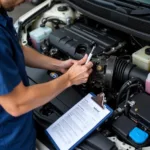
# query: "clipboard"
[[53, 138]]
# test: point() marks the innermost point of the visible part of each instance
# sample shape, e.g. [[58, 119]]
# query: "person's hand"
[[65, 65], [79, 72]]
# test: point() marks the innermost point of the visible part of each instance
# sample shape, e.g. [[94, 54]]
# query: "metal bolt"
[[99, 68]]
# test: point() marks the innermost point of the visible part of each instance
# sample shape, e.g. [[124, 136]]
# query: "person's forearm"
[[34, 96], [23, 99], [36, 60]]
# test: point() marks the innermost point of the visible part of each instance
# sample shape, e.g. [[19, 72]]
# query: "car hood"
[[132, 17]]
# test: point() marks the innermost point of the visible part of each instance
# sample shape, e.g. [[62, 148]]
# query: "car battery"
[[140, 111]]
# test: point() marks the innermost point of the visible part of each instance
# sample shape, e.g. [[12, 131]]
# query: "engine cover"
[[76, 40]]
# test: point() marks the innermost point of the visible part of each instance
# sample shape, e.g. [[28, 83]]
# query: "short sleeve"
[[9, 73]]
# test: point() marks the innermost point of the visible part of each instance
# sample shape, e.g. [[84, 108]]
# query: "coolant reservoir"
[[59, 11], [38, 35], [141, 58]]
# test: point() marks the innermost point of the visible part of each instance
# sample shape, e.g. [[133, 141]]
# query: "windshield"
[[144, 1]]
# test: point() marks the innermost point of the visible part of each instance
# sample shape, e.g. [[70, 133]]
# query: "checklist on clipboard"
[[78, 123]]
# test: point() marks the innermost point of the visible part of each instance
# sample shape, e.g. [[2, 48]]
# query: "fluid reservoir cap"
[[147, 51], [138, 136], [62, 8]]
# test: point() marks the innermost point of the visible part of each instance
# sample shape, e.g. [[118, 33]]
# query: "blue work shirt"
[[16, 133]]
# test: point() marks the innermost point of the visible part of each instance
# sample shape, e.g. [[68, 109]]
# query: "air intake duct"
[[123, 71]]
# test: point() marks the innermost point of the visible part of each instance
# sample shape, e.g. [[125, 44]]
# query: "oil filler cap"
[[138, 136]]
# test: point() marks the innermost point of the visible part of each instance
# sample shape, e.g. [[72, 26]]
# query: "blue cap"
[[138, 136]]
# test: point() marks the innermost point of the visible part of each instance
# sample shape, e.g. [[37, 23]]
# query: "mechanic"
[[17, 98]]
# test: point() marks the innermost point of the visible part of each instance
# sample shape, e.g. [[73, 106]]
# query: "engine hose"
[[128, 96], [124, 71], [126, 102], [53, 20], [126, 85]]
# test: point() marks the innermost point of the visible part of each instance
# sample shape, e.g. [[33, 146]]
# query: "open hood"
[[132, 17]]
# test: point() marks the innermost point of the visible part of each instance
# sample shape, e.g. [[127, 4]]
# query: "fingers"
[[87, 74], [83, 60], [73, 61], [90, 71], [85, 80], [88, 68], [89, 65]]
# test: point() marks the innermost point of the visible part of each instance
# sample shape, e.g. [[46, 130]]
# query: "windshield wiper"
[[135, 10], [109, 5], [118, 5], [123, 4], [138, 3], [141, 12]]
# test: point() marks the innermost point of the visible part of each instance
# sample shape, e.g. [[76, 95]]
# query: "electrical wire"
[[127, 97], [133, 82], [126, 56], [137, 41], [32, 80]]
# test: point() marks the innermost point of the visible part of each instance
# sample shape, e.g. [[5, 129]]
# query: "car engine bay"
[[121, 71]]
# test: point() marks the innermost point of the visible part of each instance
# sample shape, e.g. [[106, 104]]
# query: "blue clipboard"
[[85, 136]]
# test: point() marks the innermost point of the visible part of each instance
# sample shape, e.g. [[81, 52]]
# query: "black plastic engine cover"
[[76, 40], [141, 111]]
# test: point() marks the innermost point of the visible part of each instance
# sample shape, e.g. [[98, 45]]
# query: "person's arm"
[[24, 99], [36, 60]]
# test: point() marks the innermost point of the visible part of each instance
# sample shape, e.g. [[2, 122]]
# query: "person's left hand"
[[65, 65]]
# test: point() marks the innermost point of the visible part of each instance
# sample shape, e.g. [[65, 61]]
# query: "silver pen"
[[90, 55]]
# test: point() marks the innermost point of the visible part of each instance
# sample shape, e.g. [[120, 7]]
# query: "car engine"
[[121, 72]]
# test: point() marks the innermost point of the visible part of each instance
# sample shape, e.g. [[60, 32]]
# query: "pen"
[[91, 54]]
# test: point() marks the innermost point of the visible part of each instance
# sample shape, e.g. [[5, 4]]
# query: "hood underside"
[[129, 17]]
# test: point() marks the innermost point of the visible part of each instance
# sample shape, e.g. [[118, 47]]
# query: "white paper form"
[[76, 123]]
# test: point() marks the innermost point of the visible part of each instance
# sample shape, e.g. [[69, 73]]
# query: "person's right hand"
[[79, 72]]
